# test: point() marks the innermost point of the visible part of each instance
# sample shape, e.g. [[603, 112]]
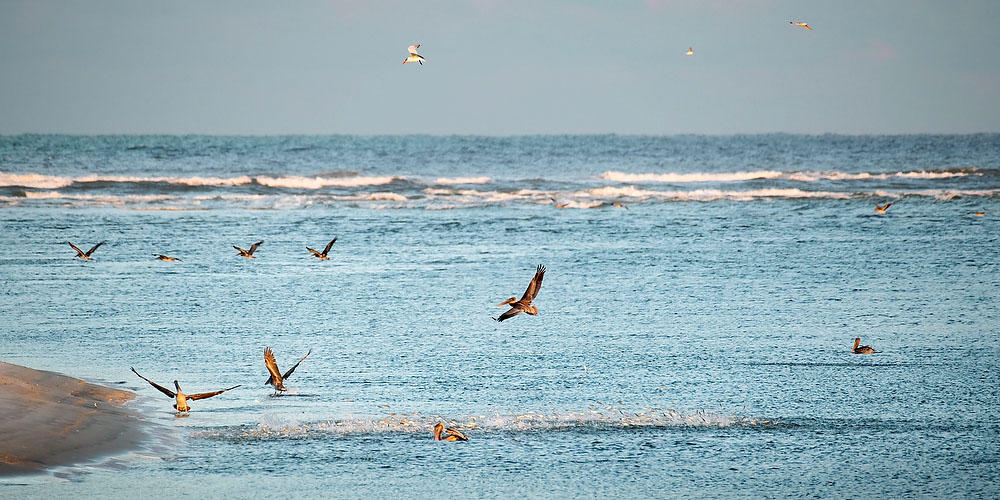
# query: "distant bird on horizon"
[[804, 25], [165, 258], [275, 378], [414, 56], [524, 305], [322, 255], [248, 253], [865, 349], [690, 51], [85, 255], [180, 398], [882, 208], [452, 434]]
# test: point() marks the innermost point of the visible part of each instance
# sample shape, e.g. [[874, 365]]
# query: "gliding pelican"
[[85, 255], [524, 305], [248, 253], [322, 256]]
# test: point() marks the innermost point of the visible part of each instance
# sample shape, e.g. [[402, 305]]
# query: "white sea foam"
[[462, 180], [800, 176], [320, 182], [34, 181], [54, 182]]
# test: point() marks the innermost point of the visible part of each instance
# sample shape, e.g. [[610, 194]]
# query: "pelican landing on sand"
[[276, 378], [449, 434], [524, 305], [84, 255], [864, 349], [322, 255], [181, 399], [248, 253], [164, 258]]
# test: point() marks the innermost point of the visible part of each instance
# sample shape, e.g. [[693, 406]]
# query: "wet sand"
[[48, 419]]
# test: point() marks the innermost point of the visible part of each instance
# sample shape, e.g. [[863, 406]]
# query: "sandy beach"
[[48, 419]]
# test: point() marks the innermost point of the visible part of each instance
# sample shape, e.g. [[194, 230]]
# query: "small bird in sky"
[[85, 255], [322, 255], [248, 253], [882, 208], [414, 57], [165, 258], [690, 51], [804, 25]]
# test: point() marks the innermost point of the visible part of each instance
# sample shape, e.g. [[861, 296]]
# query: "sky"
[[498, 67]]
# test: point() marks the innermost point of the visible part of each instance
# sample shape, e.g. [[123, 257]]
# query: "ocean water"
[[694, 344]]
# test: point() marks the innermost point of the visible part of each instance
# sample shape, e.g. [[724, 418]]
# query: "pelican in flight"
[[690, 51], [248, 253], [181, 399], [865, 349], [882, 208], [322, 255], [524, 305], [452, 434], [85, 255], [619, 204], [804, 25], [414, 57], [164, 258], [276, 378]]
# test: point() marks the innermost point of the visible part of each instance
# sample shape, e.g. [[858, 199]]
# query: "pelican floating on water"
[[180, 398], [276, 378], [414, 57], [452, 434], [85, 255], [322, 255], [978, 214], [865, 349], [804, 25], [248, 253], [165, 258], [882, 208], [524, 305]]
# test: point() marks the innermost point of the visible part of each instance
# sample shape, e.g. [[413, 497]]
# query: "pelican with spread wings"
[[85, 255], [524, 305], [414, 57], [248, 253], [322, 255], [449, 434], [276, 378], [180, 398], [800, 24]]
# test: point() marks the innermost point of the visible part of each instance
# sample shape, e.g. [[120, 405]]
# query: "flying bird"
[[804, 25], [452, 434], [322, 255], [882, 208], [865, 349], [276, 378], [619, 204], [524, 305], [690, 51], [85, 255], [165, 258], [248, 253], [414, 57], [180, 398]]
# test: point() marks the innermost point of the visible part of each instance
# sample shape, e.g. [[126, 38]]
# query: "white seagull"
[[414, 57]]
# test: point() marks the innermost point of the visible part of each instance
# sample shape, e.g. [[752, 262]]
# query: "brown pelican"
[[85, 255], [452, 434], [181, 398], [165, 258], [557, 204], [248, 253], [978, 214], [414, 57], [865, 349], [882, 208], [276, 378], [322, 255], [524, 305], [619, 204], [804, 25]]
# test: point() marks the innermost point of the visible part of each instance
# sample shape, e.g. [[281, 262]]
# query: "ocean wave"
[[39, 181], [800, 176], [462, 180], [299, 182], [691, 177]]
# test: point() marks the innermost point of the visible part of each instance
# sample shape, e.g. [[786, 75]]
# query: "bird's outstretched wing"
[[204, 395], [314, 252], [328, 245], [513, 311], [78, 251], [159, 387], [457, 435], [253, 247], [272, 367], [412, 49], [535, 284], [292, 369], [94, 248], [242, 251]]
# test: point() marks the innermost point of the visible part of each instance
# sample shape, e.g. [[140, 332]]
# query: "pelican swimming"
[[248, 253], [804, 25], [865, 349], [619, 204], [524, 305], [414, 57], [276, 378], [181, 399], [978, 214], [85, 255], [452, 434], [690, 51], [322, 255], [882, 208], [165, 258]]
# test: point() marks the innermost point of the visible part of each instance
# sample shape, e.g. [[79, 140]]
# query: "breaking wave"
[[462, 180], [800, 176], [39, 181]]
